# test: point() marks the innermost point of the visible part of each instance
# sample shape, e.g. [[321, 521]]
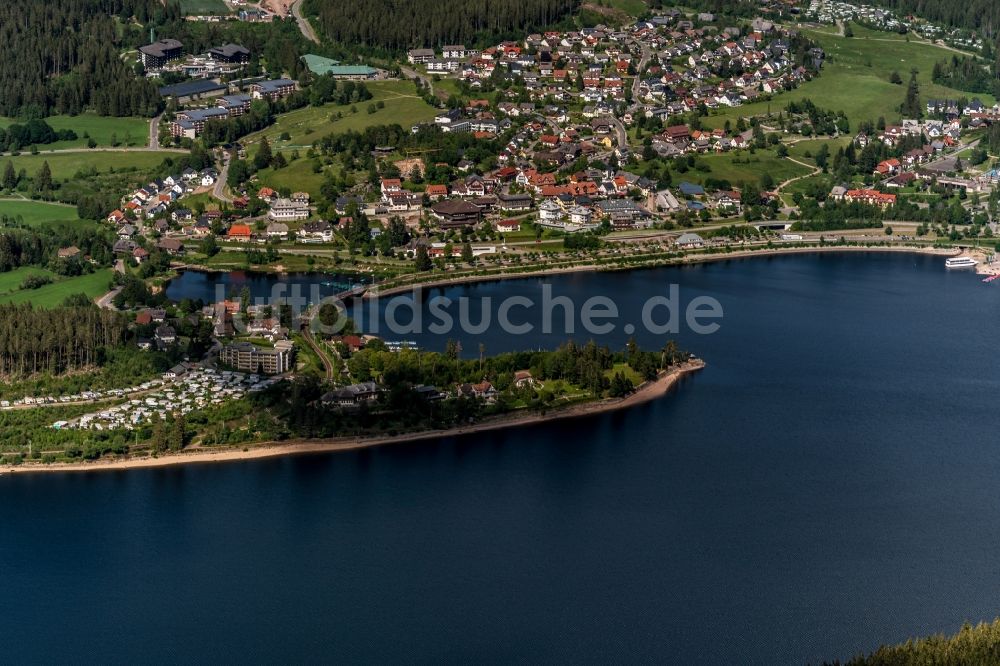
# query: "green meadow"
[[742, 167], [402, 107], [204, 7], [52, 295], [102, 129], [855, 78], [66, 165], [297, 176], [36, 213]]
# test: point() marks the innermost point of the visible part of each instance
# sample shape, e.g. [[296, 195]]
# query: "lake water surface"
[[828, 483]]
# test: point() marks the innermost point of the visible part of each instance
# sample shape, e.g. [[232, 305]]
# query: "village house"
[[240, 233], [288, 210]]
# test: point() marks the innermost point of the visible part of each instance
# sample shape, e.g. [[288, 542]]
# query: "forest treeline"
[[56, 341], [404, 24], [63, 57]]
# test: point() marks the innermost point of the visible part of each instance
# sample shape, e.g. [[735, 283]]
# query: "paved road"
[[647, 55], [620, 133], [304, 26], [154, 133], [104, 302], [219, 191], [411, 73]]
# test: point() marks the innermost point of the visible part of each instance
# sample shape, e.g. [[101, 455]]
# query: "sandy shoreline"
[[645, 393], [685, 261]]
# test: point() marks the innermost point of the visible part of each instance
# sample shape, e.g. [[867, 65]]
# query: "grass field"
[[630, 7], [799, 149], [723, 167], [66, 165], [297, 176], [52, 295], [100, 128], [11, 280], [402, 106], [204, 7], [37, 212], [855, 79]]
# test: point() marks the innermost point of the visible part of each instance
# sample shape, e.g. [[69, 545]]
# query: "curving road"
[[304, 26]]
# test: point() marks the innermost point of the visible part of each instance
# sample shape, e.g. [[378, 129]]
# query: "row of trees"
[[32, 133]]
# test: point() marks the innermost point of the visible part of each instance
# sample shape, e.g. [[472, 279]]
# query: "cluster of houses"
[[154, 198], [880, 18], [595, 66], [187, 388], [720, 67]]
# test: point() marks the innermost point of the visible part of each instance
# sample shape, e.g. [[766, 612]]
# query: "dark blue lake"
[[828, 483]]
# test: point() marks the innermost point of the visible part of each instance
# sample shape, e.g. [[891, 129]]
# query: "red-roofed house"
[[888, 167], [240, 233], [870, 197], [436, 192]]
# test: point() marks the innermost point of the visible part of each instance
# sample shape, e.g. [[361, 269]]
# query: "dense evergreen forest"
[[56, 341], [63, 57], [404, 24]]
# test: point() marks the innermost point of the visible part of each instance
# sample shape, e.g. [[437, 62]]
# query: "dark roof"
[[229, 50], [455, 207], [161, 48], [186, 88]]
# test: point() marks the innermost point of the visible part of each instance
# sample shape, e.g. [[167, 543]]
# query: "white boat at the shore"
[[960, 262]]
